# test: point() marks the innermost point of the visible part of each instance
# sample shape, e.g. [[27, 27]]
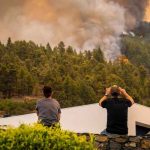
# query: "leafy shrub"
[[38, 137]]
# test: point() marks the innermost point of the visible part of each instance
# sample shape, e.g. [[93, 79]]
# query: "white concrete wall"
[[87, 118], [138, 113]]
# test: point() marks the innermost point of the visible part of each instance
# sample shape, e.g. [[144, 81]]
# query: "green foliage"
[[77, 78], [12, 107], [137, 50], [37, 137]]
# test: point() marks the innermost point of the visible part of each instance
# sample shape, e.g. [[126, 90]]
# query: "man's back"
[[117, 115], [48, 111]]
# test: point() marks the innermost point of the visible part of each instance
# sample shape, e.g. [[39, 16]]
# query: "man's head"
[[47, 91], [115, 91]]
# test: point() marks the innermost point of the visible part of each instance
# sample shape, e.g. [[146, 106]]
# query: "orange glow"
[[39, 10], [147, 16]]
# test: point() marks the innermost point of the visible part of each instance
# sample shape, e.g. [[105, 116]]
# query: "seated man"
[[117, 110], [48, 109]]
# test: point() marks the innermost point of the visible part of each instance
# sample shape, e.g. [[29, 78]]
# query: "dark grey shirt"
[[48, 111]]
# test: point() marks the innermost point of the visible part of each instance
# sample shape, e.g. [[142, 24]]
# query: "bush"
[[38, 137]]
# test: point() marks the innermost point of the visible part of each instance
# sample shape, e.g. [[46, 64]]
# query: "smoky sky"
[[83, 24], [135, 10]]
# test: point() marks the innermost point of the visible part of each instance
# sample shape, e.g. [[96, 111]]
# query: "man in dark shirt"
[[48, 109], [117, 110]]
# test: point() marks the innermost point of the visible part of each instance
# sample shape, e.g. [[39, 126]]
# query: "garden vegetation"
[[38, 137]]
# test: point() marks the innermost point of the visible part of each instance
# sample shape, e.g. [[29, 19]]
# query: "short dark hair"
[[115, 91], [47, 91]]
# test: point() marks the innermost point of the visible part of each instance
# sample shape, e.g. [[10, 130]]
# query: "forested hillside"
[[77, 78]]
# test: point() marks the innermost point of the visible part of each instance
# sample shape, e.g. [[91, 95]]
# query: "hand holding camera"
[[108, 91], [115, 91], [122, 91]]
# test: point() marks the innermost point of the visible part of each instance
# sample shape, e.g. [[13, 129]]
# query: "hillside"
[[76, 78]]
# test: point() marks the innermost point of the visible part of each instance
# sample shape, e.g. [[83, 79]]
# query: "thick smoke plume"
[[83, 24], [134, 11]]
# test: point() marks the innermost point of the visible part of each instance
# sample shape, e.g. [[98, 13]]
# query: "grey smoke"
[[83, 24], [134, 11]]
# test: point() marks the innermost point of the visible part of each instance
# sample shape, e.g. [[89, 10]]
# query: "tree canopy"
[[77, 78]]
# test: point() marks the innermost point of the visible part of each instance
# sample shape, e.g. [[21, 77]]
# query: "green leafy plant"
[[38, 137]]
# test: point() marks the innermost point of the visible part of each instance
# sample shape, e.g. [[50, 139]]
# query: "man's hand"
[[108, 91], [126, 95], [122, 91]]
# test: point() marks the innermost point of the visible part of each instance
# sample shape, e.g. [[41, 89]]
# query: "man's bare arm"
[[102, 99], [126, 95], [59, 116], [37, 112], [105, 96]]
